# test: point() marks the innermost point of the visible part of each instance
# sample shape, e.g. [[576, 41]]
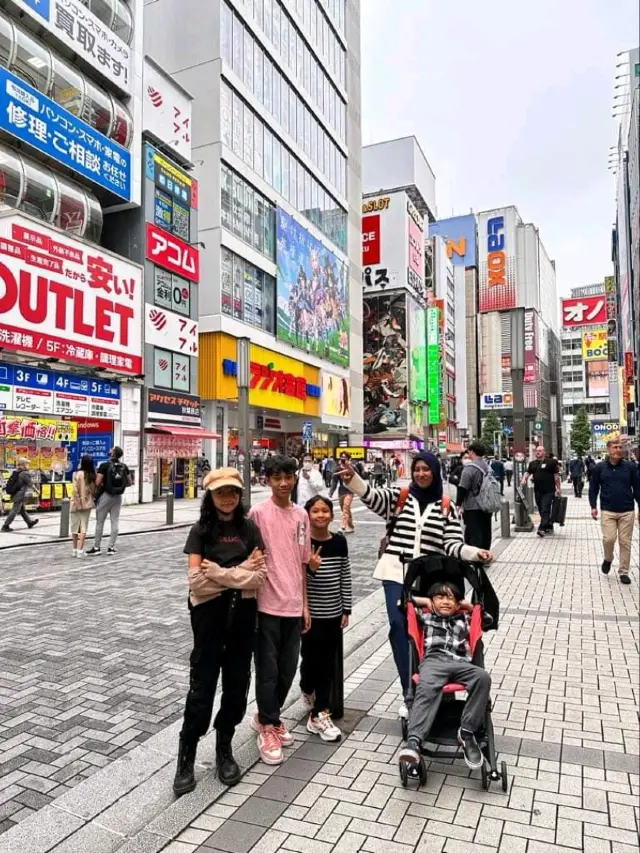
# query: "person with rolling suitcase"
[[547, 484]]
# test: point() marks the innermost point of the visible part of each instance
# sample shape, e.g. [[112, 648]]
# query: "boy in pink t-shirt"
[[282, 604]]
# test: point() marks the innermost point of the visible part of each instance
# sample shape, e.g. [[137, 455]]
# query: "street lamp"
[[244, 439]]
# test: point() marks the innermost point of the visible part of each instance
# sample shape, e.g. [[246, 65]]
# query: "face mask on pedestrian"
[[466, 460], [306, 465]]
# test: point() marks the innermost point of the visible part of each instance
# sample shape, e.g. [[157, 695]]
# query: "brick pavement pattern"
[[94, 657], [565, 684]]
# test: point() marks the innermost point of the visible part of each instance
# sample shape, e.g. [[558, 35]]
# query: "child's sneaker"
[[411, 752], [403, 711], [324, 726], [74, 552], [474, 759], [269, 745], [286, 738]]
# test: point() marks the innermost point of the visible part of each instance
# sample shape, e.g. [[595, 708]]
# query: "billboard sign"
[[604, 431], [170, 331], [385, 363], [86, 35], [433, 364], [418, 344], [459, 232], [497, 268], [597, 374], [313, 293], [336, 399], [172, 406], [594, 345], [166, 110], [502, 400], [371, 240], [181, 187], [168, 251], [65, 299], [29, 116], [530, 348], [586, 311]]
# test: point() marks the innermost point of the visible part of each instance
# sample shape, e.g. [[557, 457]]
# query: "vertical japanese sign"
[[418, 344], [433, 365]]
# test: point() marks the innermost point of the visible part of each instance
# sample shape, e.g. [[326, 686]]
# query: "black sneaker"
[[605, 568], [6, 529], [34, 522], [625, 579], [473, 756], [541, 534], [111, 550], [93, 551], [226, 766], [185, 780], [411, 752]]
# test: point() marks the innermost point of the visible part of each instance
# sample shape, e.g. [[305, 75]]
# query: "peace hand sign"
[[315, 560]]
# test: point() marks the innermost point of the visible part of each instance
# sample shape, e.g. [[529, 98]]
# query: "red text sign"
[[264, 378], [370, 240], [168, 251], [585, 311]]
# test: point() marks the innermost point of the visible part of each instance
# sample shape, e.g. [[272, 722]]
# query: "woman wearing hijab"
[[420, 522]]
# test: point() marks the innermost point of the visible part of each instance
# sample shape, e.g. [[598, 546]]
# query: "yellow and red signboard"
[[594, 345]]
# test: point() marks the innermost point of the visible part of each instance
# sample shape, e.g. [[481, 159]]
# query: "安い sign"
[[62, 298], [42, 123], [173, 254], [174, 407]]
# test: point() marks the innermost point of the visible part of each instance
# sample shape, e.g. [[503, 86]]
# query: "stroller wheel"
[[422, 771], [504, 776], [404, 774], [485, 777], [405, 728]]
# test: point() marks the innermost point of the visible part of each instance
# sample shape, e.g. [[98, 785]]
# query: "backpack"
[[13, 483], [116, 480], [488, 496]]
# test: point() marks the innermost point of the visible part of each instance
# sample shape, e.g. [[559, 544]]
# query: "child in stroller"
[[446, 645]]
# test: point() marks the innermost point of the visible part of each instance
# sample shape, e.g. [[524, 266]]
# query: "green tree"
[[581, 432], [490, 426]]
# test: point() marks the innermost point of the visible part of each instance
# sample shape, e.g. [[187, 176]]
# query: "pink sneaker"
[[269, 745], [286, 738]]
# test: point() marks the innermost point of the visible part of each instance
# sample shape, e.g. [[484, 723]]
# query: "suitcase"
[[559, 510]]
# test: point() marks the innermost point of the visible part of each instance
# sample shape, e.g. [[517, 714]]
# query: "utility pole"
[[244, 444]]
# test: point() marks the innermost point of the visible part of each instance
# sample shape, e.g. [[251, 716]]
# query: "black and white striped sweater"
[[415, 533], [329, 589]]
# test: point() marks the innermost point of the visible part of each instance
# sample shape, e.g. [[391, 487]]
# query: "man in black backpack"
[[19, 486], [112, 479]]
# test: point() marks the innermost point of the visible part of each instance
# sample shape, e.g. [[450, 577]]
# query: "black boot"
[[184, 780], [226, 765]]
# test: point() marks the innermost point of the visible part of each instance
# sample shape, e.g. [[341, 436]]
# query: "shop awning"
[[183, 431]]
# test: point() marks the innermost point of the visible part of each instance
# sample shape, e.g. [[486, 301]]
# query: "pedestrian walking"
[[378, 472], [112, 479], [617, 482], [546, 484], [420, 520], [499, 472], [508, 470], [576, 472], [590, 464], [225, 569], [310, 482], [20, 487], [256, 467], [329, 470], [477, 521], [329, 595], [345, 495], [282, 604], [81, 504], [456, 469]]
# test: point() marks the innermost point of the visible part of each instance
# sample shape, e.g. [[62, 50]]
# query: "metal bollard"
[[170, 499], [64, 518], [505, 520]]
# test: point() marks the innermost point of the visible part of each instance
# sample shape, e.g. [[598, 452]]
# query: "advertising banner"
[[604, 431], [173, 407], [460, 235], [87, 36], [594, 345], [336, 399], [385, 363], [17, 427], [500, 400], [418, 344], [180, 186], [415, 270], [42, 123], [597, 375], [585, 311], [313, 293], [170, 331], [168, 251], [371, 240], [530, 348], [166, 110], [433, 364], [442, 362], [62, 298], [497, 266]]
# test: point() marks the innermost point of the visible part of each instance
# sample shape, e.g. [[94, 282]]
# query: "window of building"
[[251, 216], [162, 368], [67, 87], [122, 24], [237, 47], [6, 41], [226, 281], [226, 122], [248, 60], [238, 126], [238, 206], [226, 34], [32, 61], [258, 72], [258, 146], [11, 179]]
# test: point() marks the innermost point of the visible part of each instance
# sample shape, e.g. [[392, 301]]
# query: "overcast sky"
[[511, 102]]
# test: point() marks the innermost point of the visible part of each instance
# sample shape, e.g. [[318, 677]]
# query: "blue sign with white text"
[[460, 235], [39, 6], [37, 120], [47, 380]]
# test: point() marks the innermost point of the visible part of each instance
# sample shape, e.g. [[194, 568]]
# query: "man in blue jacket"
[[577, 472], [617, 480]]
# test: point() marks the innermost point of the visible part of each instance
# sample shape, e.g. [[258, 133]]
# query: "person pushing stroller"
[[447, 659]]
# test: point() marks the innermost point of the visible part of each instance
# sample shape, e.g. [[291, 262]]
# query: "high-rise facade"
[[276, 145]]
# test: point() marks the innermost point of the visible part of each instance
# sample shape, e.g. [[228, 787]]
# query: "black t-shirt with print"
[[544, 472], [229, 547]]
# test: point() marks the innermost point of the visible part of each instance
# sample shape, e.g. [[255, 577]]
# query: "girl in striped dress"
[[329, 598]]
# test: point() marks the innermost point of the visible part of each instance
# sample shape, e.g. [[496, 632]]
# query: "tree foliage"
[[581, 432], [490, 426]]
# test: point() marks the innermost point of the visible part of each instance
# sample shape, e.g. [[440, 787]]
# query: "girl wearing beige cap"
[[225, 569]]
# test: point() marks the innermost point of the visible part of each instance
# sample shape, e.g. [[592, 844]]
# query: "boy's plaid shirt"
[[448, 634]]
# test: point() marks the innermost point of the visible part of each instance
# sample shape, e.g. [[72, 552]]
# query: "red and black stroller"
[[421, 573]]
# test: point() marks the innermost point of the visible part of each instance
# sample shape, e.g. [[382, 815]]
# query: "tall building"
[[515, 271], [71, 315], [276, 145], [400, 371], [585, 364]]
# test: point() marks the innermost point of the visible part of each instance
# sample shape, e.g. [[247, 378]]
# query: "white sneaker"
[[80, 552], [403, 712], [74, 553], [324, 726]]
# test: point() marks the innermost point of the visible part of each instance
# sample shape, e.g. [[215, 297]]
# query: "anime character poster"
[[313, 294], [385, 366]]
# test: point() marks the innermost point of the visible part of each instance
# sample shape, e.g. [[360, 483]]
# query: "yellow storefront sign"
[[276, 381], [594, 345], [18, 427]]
